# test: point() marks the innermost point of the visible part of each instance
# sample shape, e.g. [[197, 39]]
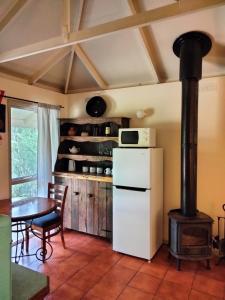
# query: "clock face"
[[96, 106]]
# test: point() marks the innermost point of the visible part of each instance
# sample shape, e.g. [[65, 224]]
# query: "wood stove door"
[[194, 239]]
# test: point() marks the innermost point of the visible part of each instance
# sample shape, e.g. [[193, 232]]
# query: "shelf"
[[90, 138], [84, 176], [85, 157], [93, 120]]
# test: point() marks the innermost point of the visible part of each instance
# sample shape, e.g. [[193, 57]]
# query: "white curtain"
[[48, 140]]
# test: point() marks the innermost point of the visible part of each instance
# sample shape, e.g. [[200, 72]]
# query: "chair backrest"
[[58, 192]]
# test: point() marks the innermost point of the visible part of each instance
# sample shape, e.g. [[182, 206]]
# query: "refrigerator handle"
[[121, 187]]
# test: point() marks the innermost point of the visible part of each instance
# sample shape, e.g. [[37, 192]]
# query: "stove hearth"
[[190, 237]]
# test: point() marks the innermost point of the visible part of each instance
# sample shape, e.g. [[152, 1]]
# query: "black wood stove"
[[190, 230]]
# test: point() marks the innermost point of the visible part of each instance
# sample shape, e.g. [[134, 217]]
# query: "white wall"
[[21, 90], [162, 103]]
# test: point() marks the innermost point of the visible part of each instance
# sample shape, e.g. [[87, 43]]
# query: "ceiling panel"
[[80, 77], [120, 58], [211, 21], [5, 7], [39, 20], [29, 65], [57, 74], [152, 4], [101, 11]]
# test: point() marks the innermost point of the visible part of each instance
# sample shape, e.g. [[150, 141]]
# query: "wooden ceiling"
[[80, 45]]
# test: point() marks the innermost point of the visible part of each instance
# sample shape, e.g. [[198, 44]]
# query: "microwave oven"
[[137, 137]]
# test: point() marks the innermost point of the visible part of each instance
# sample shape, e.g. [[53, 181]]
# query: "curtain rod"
[[5, 96]]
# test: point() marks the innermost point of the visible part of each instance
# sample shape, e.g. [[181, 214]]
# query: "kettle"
[[74, 150]]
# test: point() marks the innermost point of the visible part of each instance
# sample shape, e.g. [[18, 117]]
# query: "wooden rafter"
[[76, 27], [90, 67], [137, 20], [66, 20], [11, 13], [149, 44], [69, 71], [51, 62]]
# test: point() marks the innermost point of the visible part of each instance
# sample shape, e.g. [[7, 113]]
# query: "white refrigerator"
[[137, 201]]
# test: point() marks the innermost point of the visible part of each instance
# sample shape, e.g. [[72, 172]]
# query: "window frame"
[[26, 105]]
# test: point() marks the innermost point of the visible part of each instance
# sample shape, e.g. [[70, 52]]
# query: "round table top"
[[32, 208]]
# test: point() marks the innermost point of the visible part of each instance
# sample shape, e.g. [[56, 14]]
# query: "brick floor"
[[89, 269]]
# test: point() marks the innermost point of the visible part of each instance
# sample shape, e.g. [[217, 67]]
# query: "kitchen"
[[162, 106]]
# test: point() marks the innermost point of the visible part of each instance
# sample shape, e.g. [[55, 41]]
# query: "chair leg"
[[62, 238], [48, 235], [43, 246], [27, 238]]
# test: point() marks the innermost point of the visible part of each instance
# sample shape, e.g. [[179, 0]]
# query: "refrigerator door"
[[131, 222], [131, 167]]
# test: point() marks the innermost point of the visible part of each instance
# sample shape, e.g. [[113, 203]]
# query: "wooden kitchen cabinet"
[[89, 199], [92, 207]]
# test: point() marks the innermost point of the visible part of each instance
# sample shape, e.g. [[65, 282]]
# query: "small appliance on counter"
[[137, 137]]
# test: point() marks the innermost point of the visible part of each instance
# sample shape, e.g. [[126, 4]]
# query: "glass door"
[[23, 144]]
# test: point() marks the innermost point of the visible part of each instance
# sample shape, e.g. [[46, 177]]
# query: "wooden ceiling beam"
[[66, 20], [72, 57], [11, 13], [90, 67], [50, 63], [149, 44], [69, 71], [137, 20]]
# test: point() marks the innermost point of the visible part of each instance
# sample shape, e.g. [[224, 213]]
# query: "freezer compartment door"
[[131, 222], [131, 167]]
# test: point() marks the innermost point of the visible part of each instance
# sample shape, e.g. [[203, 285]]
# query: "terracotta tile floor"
[[89, 269]]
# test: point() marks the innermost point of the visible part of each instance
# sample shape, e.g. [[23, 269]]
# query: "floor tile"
[[84, 280], [217, 271], [106, 290], [134, 294], [172, 291], [209, 286], [131, 262], [154, 269], [195, 295], [67, 292], [120, 274], [146, 283], [181, 277]]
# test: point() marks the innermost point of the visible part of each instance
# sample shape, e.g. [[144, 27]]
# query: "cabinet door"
[[92, 207], [82, 204], [68, 207], [105, 209], [75, 196], [109, 210]]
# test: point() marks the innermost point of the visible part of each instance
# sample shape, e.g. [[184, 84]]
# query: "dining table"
[[29, 209]]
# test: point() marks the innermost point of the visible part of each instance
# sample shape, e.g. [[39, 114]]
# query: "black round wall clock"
[[96, 106]]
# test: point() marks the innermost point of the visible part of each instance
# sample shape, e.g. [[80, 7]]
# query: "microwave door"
[[131, 167], [129, 137]]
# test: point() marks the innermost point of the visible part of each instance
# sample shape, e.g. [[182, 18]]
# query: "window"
[[24, 138]]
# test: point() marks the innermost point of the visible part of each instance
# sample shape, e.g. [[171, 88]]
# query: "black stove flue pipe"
[[190, 47]]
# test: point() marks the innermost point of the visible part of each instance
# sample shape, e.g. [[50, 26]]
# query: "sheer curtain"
[[48, 140]]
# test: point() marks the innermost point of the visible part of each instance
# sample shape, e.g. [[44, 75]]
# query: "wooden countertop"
[[102, 178]]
